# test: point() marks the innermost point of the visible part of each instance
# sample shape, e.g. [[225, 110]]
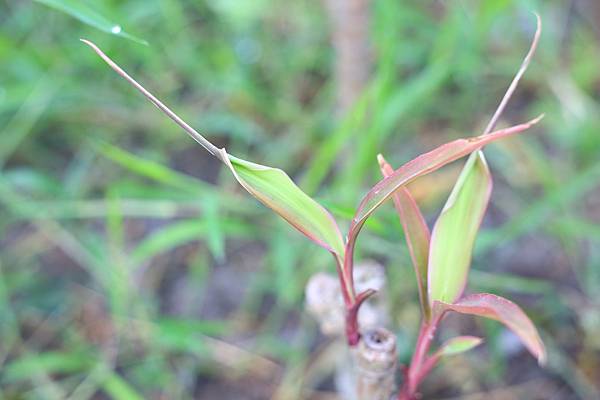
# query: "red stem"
[[352, 330], [420, 365], [352, 302], [347, 287]]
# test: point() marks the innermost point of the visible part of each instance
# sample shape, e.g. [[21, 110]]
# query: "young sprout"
[[441, 259]]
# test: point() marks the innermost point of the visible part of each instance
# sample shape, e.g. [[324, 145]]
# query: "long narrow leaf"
[[499, 309], [419, 166], [455, 230], [430, 162], [416, 233]]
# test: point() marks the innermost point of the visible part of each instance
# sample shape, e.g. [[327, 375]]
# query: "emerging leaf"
[[499, 309], [416, 233], [455, 230], [458, 345]]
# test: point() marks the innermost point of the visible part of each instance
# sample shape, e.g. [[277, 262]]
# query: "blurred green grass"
[[130, 267]]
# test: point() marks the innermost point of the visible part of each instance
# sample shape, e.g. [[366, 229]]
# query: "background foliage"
[[132, 267]]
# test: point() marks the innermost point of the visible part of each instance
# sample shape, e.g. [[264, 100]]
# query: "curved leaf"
[[416, 233], [499, 309], [275, 189], [455, 230], [419, 166]]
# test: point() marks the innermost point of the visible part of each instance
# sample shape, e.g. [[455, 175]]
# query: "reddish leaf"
[[419, 166], [416, 233], [430, 162], [500, 309]]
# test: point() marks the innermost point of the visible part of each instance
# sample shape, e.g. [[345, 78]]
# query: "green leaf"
[[275, 189], [151, 169], [86, 14], [422, 165], [459, 345], [455, 231]]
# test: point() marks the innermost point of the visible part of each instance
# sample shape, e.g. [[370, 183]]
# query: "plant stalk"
[[420, 364]]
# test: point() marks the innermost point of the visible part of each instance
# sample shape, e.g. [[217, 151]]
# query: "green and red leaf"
[[416, 233], [413, 169], [455, 230], [502, 310], [274, 188]]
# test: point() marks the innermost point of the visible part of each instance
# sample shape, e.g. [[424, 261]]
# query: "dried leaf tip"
[[534, 121], [515, 82], [208, 146]]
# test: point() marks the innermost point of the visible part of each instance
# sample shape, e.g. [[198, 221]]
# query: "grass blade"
[[275, 189], [419, 166]]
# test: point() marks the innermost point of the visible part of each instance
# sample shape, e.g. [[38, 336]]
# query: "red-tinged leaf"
[[430, 162], [275, 189], [419, 166], [416, 233], [499, 309], [455, 231]]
